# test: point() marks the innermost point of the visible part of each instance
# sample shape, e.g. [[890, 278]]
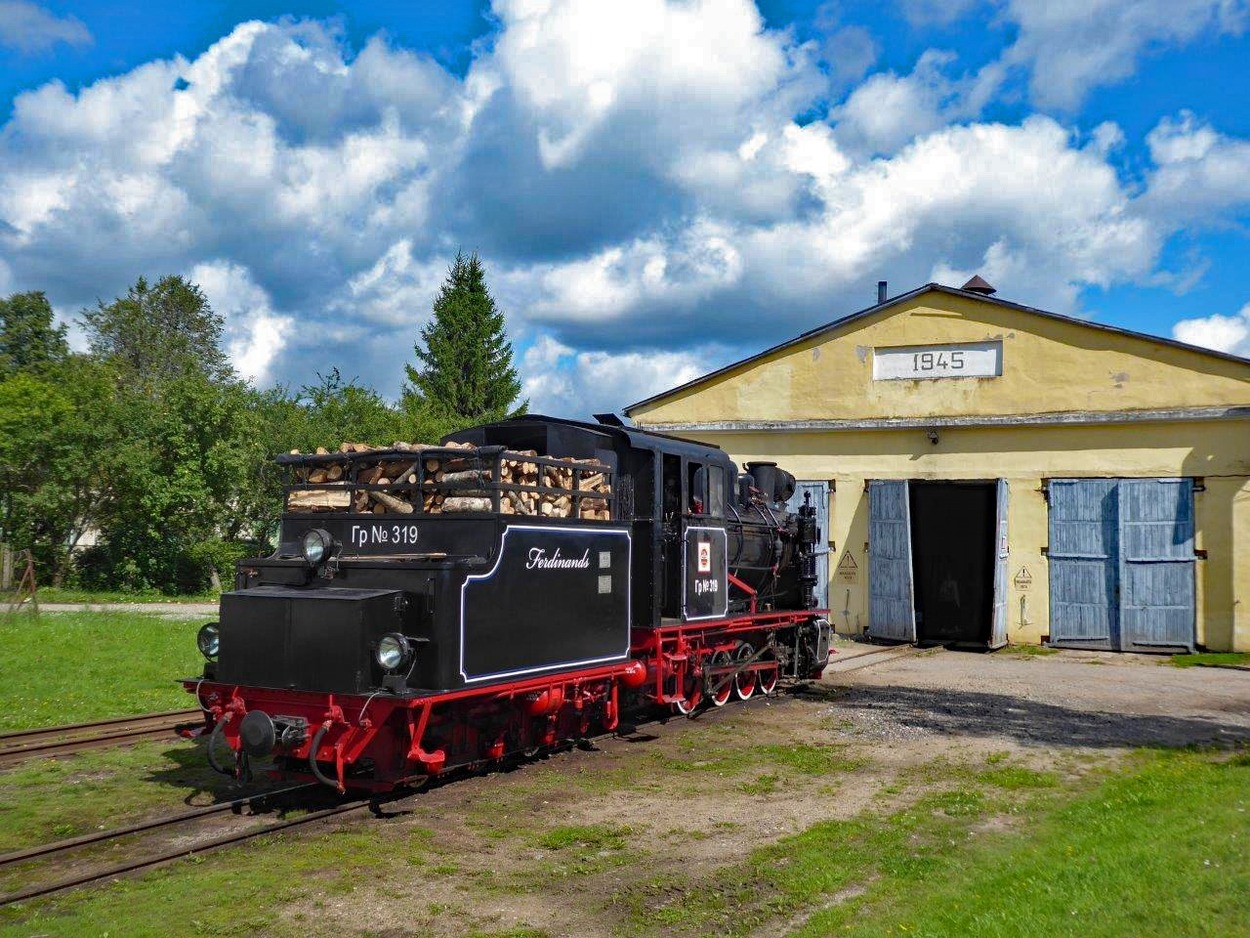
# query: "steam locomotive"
[[517, 587]]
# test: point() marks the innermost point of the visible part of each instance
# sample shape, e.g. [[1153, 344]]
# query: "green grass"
[[60, 668], [51, 594], [51, 799], [1211, 660], [271, 887], [585, 837], [996, 849], [1169, 839]]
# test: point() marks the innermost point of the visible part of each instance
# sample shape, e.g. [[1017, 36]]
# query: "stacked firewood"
[[454, 481], [588, 475]]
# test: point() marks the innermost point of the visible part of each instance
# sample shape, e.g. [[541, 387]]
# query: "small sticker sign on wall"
[[705, 556], [848, 569]]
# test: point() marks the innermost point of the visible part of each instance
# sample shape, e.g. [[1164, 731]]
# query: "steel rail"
[[73, 843], [95, 724], [169, 856], [62, 740], [879, 657]]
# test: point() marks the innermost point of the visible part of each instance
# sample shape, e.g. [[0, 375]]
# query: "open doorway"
[[953, 526]]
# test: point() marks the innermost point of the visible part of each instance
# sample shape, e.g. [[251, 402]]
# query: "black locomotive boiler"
[[516, 587]]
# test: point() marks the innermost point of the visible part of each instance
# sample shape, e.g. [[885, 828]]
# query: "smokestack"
[[881, 286]]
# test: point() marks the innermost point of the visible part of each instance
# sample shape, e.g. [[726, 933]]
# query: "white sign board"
[[963, 360]]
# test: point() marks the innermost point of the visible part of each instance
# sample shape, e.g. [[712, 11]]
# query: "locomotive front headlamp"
[[317, 545], [209, 640], [394, 651]]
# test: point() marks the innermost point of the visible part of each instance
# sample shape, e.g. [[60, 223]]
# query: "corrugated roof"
[[907, 297]]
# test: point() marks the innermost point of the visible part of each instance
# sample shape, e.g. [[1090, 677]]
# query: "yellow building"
[[1000, 473]]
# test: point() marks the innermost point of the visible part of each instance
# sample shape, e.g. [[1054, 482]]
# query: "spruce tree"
[[465, 374]]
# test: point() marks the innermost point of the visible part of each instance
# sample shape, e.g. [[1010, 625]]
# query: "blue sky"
[[657, 188]]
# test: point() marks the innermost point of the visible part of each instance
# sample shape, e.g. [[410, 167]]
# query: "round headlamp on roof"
[[317, 546]]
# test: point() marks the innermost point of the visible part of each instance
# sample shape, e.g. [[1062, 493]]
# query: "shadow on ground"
[[1030, 722]]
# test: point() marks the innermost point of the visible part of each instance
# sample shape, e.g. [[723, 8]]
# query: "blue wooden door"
[[820, 501], [998, 628], [1084, 563], [891, 601], [1156, 564], [1121, 563]]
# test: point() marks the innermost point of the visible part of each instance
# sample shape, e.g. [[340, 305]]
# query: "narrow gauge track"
[[53, 741], [168, 856], [881, 656], [64, 847]]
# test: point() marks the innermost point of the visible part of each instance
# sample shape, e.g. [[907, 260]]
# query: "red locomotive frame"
[[405, 740]]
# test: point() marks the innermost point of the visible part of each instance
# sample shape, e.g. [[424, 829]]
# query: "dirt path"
[[182, 609]]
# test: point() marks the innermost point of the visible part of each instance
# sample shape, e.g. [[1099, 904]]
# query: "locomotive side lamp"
[[209, 640], [318, 545]]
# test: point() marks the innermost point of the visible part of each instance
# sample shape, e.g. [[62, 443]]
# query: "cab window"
[[707, 490]]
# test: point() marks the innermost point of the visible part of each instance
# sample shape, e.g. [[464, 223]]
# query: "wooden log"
[[361, 502], [335, 472], [322, 451], [466, 503], [466, 475], [519, 504], [369, 476], [317, 476], [318, 499], [391, 502]]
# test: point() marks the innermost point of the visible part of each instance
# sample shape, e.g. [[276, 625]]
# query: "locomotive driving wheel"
[[769, 676], [744, 681], [726, 690], [692, 688]]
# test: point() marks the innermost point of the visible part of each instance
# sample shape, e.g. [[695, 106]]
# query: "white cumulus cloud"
[[561, 379], [255, 334], [1222, 333], [1071, 47], [28, 27], [654, 186]]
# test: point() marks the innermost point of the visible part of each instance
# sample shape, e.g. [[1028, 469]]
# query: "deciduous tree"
[[159, 333], [29, 340]]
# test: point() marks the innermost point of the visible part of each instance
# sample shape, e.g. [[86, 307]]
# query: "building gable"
[[907, 360]]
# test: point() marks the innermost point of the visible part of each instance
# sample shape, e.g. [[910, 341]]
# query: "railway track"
[[53, 851], [872, 658], [63, 848], [54, 741]]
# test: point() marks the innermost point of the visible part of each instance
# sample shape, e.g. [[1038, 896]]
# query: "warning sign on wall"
[[848, 569], [1023, 579]]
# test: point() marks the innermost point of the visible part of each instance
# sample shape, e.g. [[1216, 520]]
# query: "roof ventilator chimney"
[[977, 285], [881, 287]]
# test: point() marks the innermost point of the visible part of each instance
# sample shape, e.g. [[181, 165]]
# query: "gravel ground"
[[1084, 699]]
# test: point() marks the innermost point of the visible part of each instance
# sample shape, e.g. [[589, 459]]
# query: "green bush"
[[170, 567]]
